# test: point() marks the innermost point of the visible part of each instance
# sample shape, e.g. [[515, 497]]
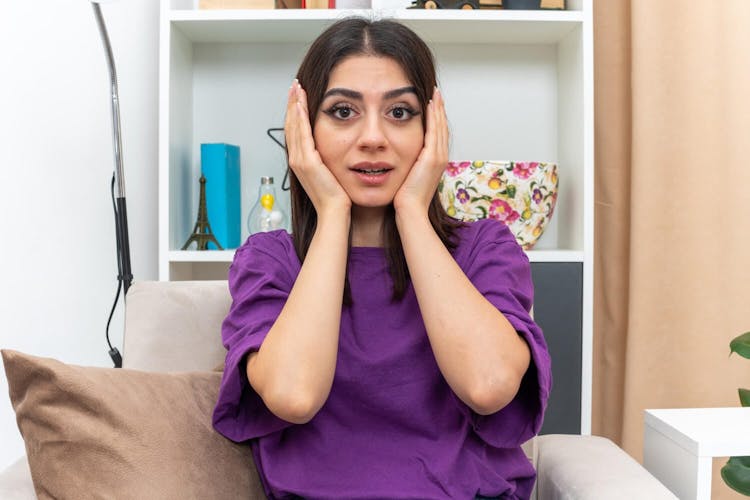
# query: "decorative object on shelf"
[[266, 214], [220, 165], [534, 4], [521, 194], [202, 234], [249, 4], [285, 182], [318, 4], [456, 4], [736, 472], [353, 4]]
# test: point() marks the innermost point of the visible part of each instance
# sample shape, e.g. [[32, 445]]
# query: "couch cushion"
[[119, 433], [175, 326]]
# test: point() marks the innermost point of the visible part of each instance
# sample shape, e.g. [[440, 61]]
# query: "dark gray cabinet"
[[558, 296]]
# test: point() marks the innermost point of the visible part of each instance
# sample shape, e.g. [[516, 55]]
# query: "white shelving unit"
[[518, 86]]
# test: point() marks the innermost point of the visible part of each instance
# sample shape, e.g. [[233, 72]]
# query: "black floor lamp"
[[124, 276]]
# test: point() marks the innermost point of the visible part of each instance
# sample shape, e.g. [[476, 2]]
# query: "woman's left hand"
[[419, 187]]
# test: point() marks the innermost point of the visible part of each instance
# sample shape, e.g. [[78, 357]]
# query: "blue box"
[[220, 165]]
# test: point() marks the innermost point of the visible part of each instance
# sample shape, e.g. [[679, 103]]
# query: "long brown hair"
[[384, 38]]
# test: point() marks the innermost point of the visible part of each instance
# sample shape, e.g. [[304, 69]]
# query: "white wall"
[[57, 249]]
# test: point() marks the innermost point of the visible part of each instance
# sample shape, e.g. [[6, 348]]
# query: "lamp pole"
[[125, 276]]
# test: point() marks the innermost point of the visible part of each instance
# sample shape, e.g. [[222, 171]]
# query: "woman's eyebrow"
[[398, 92], [353, 94]]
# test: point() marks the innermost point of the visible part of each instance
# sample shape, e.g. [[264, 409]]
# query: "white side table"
[[679, 445]]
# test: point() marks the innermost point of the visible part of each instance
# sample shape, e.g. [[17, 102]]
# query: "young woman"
[[383, 350]]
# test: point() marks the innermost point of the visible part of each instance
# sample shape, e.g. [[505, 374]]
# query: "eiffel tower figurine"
[[202, 233]]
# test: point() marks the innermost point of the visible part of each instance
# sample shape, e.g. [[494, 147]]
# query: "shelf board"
[[228, 255], [435, 26], [555, 255], [201, 255]]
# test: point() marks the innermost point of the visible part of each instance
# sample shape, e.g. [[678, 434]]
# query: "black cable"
[[112, 312], [113, 352]]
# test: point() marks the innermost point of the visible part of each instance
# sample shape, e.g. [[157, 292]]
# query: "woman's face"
[[368, 129]]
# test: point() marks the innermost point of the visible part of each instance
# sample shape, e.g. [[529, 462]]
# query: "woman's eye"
[[341, 112], [402, 113]]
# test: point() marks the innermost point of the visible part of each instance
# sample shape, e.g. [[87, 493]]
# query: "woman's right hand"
[[319, 183]]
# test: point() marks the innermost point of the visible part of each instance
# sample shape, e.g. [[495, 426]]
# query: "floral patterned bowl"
[[521, 194]]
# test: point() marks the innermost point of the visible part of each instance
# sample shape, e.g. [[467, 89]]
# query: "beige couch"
[[174, 327]]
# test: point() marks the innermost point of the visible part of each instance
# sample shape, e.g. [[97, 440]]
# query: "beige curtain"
[[672, 253]]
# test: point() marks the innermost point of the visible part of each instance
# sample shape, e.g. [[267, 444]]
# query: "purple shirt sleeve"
[[500, 270], [260, 279]]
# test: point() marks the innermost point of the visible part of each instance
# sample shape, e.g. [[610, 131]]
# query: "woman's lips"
[[372, 173]]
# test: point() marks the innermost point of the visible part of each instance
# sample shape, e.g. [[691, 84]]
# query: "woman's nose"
[[372, 135]]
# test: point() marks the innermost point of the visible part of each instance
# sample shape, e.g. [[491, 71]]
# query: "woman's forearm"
[[478, 351], [294, 367]]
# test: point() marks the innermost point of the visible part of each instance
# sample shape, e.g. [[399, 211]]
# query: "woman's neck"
[[367, 226]]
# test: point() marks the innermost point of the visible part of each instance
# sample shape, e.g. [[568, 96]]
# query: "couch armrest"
[[15, 482], [571, 467]]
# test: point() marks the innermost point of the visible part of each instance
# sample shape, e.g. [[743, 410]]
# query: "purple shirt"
[[391, 427]]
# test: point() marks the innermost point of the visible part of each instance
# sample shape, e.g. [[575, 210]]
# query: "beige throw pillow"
[[118, 433]]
